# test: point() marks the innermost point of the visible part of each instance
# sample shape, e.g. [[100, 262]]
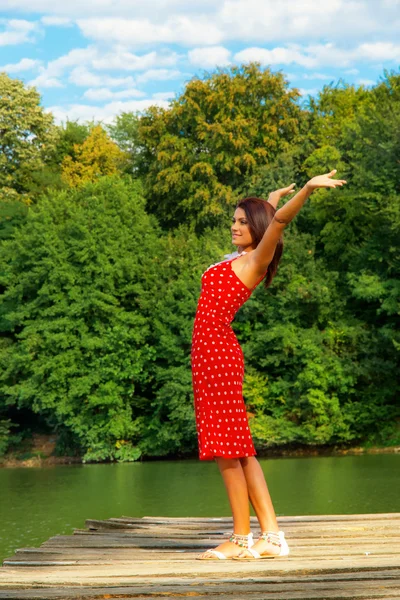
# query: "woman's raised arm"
[[275, 196], [263, 254]]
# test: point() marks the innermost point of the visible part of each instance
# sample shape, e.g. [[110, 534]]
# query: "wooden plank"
[[182, 543], [356, 554], [112, 554], [109, 555], [281, 519], [268, 587], [387, 525], [151, 570], [359, 532]]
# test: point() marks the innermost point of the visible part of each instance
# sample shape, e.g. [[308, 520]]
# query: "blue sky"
[[91, 59]]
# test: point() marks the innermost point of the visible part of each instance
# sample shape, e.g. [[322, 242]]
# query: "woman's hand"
[[324, 181], [275, 196]]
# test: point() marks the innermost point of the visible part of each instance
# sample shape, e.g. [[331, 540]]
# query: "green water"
[[38, 503]]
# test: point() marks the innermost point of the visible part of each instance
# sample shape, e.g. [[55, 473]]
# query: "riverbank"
[[41, 454]]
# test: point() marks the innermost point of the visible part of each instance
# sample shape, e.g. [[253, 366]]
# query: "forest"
[[106, 228]]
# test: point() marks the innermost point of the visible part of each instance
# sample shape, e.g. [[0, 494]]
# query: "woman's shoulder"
[[232, 255]]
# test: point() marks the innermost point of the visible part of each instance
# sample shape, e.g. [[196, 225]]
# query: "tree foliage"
[[97, 156], [219, 131], [27, 137], [75, 346], [124, 131]]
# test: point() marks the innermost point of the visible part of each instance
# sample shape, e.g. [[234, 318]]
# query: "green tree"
[[125, 133], [223, 127], [70, 136], [74, 345], [27, 138], [97, 156]]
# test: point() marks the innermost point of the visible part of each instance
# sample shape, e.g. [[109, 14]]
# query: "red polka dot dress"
[[218, 366]]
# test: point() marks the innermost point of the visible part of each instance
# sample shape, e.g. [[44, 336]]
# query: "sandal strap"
[[272, 537], [218, 554], [244, 541], [254, 553]]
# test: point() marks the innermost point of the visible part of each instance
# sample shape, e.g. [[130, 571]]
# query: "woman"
[[218, 367]]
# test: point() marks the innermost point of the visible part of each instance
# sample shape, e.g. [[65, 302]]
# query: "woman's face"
[[241, 235]]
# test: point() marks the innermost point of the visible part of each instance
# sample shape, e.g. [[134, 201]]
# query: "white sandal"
[[276, 539], [245, 541]]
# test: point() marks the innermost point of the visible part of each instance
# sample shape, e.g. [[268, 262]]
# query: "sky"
[[92, 59]]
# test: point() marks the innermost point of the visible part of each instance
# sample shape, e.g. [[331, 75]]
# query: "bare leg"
[[259, 494], [261, 501], [236, 487]]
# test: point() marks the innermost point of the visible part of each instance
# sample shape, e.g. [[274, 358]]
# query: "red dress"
[[218, 366]]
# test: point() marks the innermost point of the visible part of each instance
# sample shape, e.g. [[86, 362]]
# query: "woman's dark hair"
[[259, 214]]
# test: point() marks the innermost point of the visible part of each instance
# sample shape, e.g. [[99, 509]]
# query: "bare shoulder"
[[247, 269]]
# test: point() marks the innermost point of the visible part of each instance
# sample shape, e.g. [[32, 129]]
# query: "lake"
[[38, 503]]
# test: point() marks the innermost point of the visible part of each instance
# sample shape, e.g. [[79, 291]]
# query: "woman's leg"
[[236, 487], [261, 502], [259, 494]]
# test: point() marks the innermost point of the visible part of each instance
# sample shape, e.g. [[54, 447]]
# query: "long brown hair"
[[259, 214]]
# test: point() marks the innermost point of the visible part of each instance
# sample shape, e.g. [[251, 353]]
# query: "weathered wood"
[[382, 588], [282, 520], [349, 556], [82, 556]]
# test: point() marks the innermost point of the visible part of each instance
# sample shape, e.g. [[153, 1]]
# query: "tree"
[[125, 132], [197, 153], [74, 340], [97, 156], [27, 138], [71, 136], [334, 110]]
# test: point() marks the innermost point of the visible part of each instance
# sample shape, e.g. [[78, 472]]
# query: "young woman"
[[218, 367]]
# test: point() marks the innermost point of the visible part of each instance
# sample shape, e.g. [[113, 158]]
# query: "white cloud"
[[56, 21], [101, 94], [17, 31], [49, 76], [276, 56], [79, 60], [269, 21], [158, 75], [320, 76], [45, 81], [317, 55], [81, 76], [121, 59], [365, 82], [106, 113], [25, 64], [208, 58], [308, 92], [124, 8], [189, 31], [379, 51], [211, 22], [164, 95], [77, 56]]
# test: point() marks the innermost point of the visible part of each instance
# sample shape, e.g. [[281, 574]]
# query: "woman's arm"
[[263, 254], [275, 196]]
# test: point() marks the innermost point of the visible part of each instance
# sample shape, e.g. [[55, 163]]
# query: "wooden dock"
[[332, 557]]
